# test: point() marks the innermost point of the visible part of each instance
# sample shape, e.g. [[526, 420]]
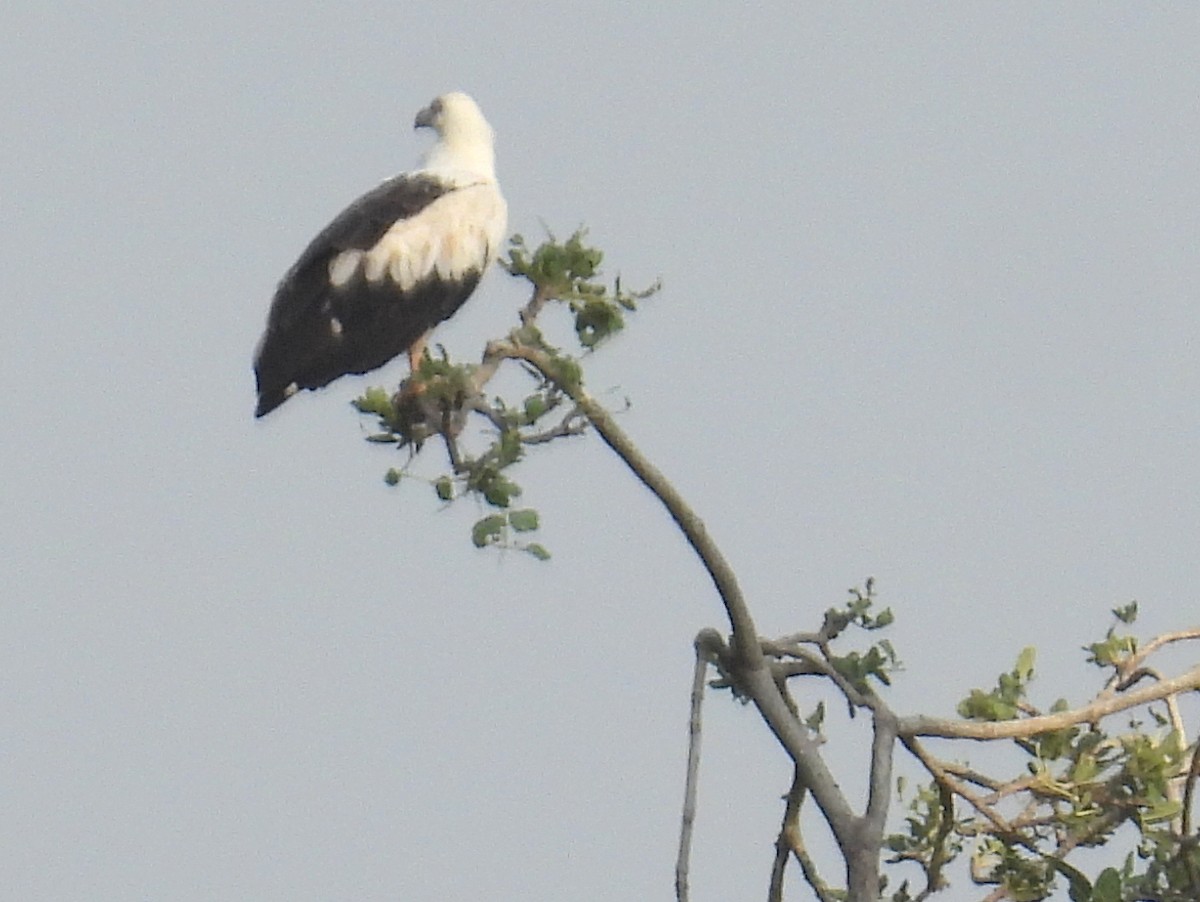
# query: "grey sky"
[[929, 315]]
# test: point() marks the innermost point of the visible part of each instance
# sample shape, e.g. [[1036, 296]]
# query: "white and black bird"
[[395, 263]]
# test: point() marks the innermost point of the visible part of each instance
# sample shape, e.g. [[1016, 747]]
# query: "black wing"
[[316, 333], [359, 226]]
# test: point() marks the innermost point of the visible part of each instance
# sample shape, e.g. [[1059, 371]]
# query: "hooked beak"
[[425, 117]]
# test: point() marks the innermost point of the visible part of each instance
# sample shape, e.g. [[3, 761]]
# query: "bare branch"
[[479, 405], [973, 776], [530, 311], [790, 842], [784, 841], [453, 452], [722, 574], [693, 773], [574, 423], [879, 795]]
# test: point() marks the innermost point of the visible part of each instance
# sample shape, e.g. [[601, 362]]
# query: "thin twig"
[[574, 423], [1125, 670], [693, 772], [479, 405], [790, 842], [530, 311], [921, 725], [783, 844], [973, 776], [945, 778], [453, 452]]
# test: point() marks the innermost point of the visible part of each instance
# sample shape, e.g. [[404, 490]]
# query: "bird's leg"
[[411, 402], [412, 386], [415, 352]]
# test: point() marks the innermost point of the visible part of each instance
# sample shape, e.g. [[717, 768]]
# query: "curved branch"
[[754, 678], [1128, 667], [745, 635], [921, 725]]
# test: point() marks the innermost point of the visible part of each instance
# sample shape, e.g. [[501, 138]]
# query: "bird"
[[394, 264]]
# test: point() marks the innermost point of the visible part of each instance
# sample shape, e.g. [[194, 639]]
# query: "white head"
[[465, 139]]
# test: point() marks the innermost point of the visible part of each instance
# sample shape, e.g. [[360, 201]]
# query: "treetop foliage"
[[443, 396]]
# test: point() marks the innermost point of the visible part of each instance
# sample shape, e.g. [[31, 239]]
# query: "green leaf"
[[444, 488], [535, 406], [537, 551], [1162, 810], [375, 400], [1080, 887], [988, 706], [1085, 769], [523, 520], [1114, 649], [1107, 887], [500, 491], [1127, 613], [488, 530], [1025, 661], [596, 320]]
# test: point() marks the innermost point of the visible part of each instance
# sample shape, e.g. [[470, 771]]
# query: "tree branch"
[[945, 778], [790, 843], [688, 818], [753, 677], [879, 794], [920, 725], [1126, 670]]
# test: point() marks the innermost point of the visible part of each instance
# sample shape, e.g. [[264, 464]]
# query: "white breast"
[[459, 233]]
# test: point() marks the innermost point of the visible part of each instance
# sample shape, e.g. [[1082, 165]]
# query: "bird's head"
[[454, 116], [464, 136]]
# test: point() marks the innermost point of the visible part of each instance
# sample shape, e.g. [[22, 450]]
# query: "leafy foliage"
[[1083, 785], [1076, 786], [931, 837], [442, 398], [879, 660], [566, 272], [1003, 702]]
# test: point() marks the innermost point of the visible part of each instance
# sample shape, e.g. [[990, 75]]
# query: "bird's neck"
[[460, 158]]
